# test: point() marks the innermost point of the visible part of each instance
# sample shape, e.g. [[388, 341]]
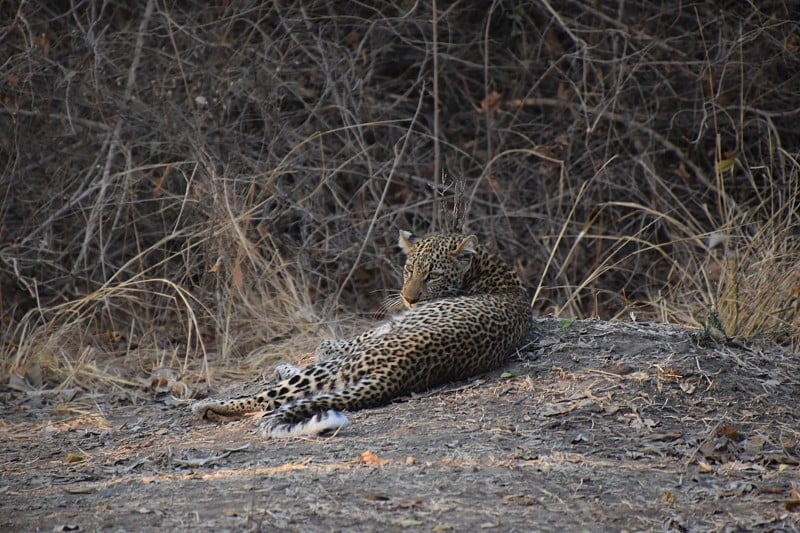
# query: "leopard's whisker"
[[389, 306]]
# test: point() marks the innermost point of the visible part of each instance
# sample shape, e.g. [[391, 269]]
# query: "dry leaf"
[[788, 443], [369, 458], [730, 432], [704, 466], [519, 499], [793, 506], [491, 102], [217, 265], [793, 503], [725, 165], [237, 276], [754, 443], [44, 43], [352, 39]]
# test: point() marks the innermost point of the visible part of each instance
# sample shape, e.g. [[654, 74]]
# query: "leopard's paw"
[[285, 371]]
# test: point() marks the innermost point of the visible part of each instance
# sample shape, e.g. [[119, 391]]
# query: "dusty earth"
[[594, 426]]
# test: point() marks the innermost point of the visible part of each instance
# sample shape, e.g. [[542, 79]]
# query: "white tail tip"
[[325, 422]]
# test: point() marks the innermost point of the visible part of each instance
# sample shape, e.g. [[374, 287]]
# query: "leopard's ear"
[[407, 241], [469, 245]]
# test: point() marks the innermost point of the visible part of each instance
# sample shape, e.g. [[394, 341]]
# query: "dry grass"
[[216, 187]]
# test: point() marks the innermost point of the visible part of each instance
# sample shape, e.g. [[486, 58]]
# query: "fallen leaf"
[[793, 506], [237, 275], [369, 458], [44, 43], [731, 432], [352, 39], [491, 102], [793, 503], [216, 266], [519, 499], [754, 443], [725, 165], [704, 466]]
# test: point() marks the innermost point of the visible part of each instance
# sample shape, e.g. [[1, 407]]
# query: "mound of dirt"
[[592, 426]]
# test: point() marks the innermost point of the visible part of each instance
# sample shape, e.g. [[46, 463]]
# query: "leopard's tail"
[[329, 421]]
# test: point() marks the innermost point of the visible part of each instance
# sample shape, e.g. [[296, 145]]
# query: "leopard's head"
[[436, 265]]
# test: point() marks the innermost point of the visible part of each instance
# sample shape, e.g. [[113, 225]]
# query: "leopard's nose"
[[411, 292], [409, 302]]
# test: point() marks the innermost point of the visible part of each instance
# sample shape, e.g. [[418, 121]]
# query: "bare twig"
[[437, 172], [97, 213]]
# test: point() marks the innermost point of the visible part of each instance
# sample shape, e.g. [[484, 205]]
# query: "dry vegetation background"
[[192, 181]]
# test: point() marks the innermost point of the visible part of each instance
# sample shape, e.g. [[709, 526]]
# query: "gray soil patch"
[[594, 426]]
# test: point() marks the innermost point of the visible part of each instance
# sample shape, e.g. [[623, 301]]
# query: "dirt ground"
[[594, 426]]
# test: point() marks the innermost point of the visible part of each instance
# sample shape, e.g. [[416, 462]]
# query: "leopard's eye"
[[433, 275]]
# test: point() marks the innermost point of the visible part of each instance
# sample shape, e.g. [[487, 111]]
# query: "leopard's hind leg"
[[322, 413], [297, 384]]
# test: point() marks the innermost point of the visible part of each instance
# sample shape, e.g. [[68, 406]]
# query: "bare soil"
[[593, 426]]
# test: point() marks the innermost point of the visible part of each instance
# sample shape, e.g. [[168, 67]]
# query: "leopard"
[[464, 311]]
